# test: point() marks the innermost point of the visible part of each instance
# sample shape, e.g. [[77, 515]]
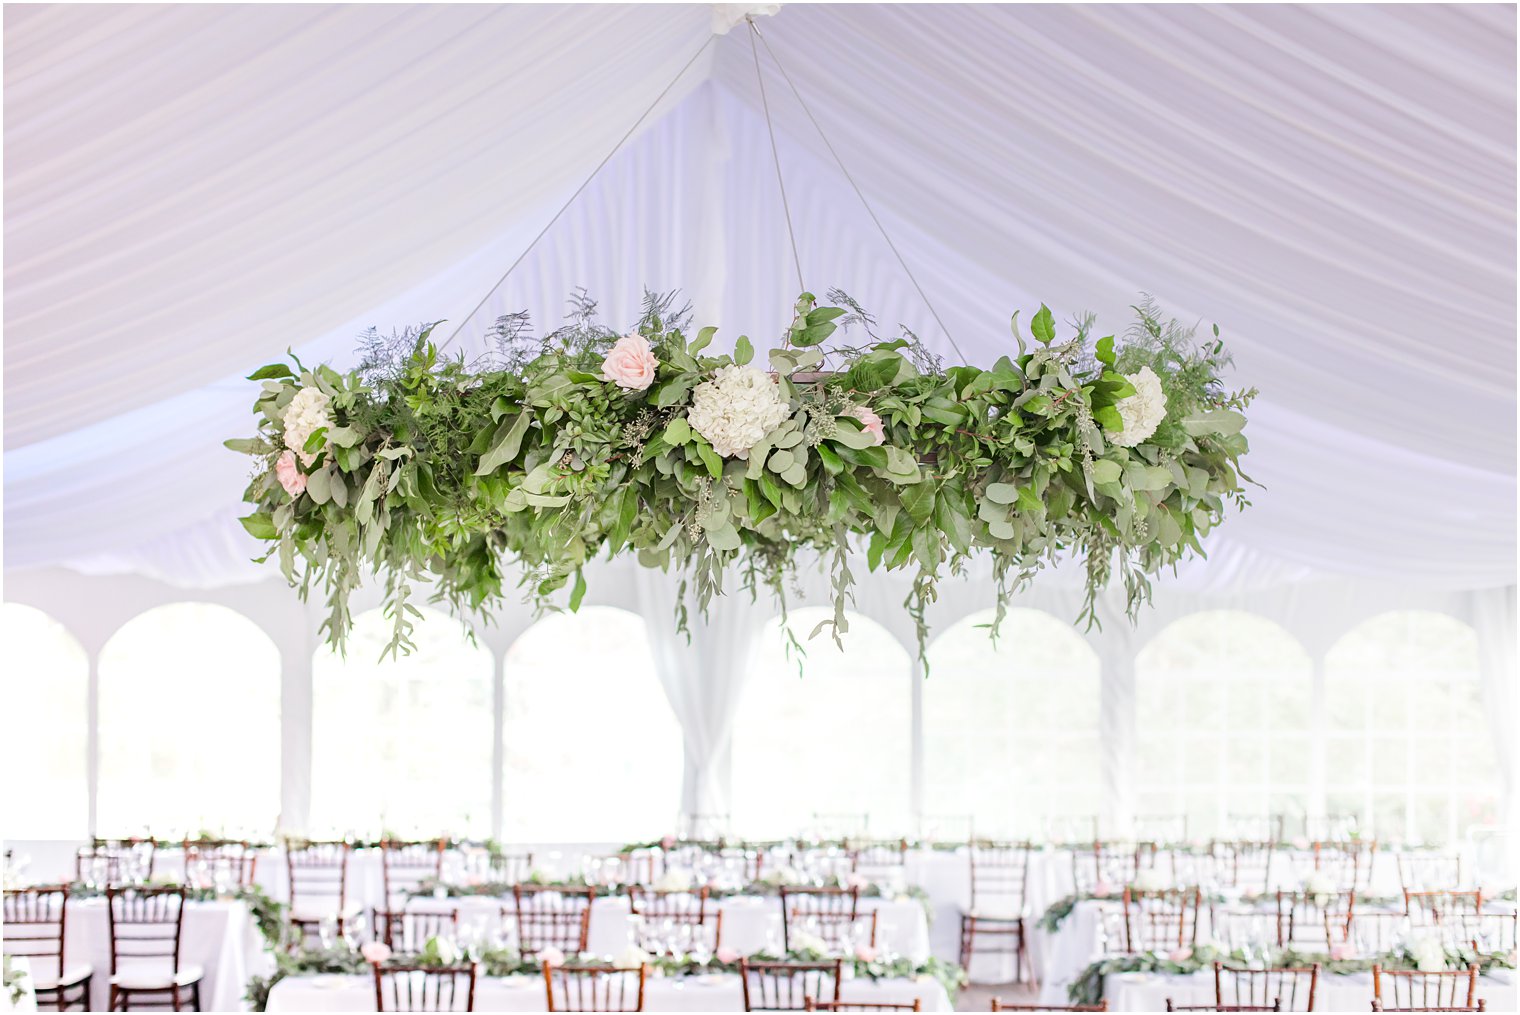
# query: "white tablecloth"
[[526, 993], [218, 936], [1149, 992], [750, 923]]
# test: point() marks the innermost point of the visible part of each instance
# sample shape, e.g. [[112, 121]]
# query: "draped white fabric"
[[190, 190]]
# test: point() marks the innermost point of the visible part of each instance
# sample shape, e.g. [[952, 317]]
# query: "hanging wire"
[[584, 184], [756, 33], [775, 155]]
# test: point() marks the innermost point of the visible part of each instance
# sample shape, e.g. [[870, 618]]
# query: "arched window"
[[189, 724], [402, 745], [832, 742], [1224, 720], [1408, 747], [43, 747], [593, 751], [1011, 726]]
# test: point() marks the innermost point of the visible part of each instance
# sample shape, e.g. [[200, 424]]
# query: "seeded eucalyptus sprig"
[[428, 468]]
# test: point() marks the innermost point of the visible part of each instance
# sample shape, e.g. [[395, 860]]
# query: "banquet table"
[[1349, 992], [751, 923], [717, 992], [218, 936]]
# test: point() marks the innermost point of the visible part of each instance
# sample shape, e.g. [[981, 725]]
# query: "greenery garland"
[[500, 962], [549, 451], [1087, 989]]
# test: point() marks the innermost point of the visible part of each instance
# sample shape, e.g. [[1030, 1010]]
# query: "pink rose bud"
[[857, 880], [1102, 890], [375, 952], [1181, 955], [552, 957], [668, 842], [1341, 952], [865, 953], [869, 422], [728, 956], [630, 363], [289, 475]]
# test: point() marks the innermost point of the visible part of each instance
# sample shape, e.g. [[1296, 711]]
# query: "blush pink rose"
[[728, 956], [1341, 952], [870, 422], [669, 842], [552, 956], [631, 363], [1102, 890], [1181, 955], [857, 880], [289, 475], [865, 953], [375, 951]]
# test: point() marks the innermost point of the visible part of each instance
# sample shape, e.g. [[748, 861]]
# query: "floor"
[[978, 996]]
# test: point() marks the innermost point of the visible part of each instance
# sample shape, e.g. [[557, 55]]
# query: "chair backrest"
[[146, 925], [1436, 908], [1174, 1006], [1160, 921], [595, 988], [998, 1004], [1412, 990], [1306, 918], [999, 876], [425, 988], [317, 873], [1293, 987], [813, 1004], [1425, 870], [219, 863], [831, 913], [406, 864], [34, 924], [115, 861], [552, 917], [786, 986], [407, 930], [1242, 864], [1348, 864], [1487, 932], [686, 912], [880, 857], [1109, 863]]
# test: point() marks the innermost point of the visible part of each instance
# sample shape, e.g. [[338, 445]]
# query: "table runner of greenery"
[[1056, 914], [1088, 987]]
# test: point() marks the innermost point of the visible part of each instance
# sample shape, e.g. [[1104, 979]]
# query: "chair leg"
[[174, 996], [966, 925], [195, 995]]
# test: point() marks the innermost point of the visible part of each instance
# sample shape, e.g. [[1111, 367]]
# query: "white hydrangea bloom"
[[306, 413], [740, 405], [1143, 411]]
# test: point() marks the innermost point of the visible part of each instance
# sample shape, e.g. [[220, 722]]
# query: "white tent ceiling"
[[190, 190]]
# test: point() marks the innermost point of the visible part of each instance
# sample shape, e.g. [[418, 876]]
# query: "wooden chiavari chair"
[[1269, 828], [1425, 871], [115, 861], [595, 988], [1107, 863], [1160, 921], [1160, 828], [404, 865], [1173, 1006], [1371, 932], [406, 931], [882, 861], [998, 1004], [425, 988], [551, 917], [146, 925], [786, 986], [1487, 932], [655, 908], [999, 891], [1411, 990], [212, 863], [317, 873], [1305, 919], [841, 826], [1348, 864], [833, 912], [1426, 909], [1242, 865], [813, 1004], [34, 920], [1291, 987]]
